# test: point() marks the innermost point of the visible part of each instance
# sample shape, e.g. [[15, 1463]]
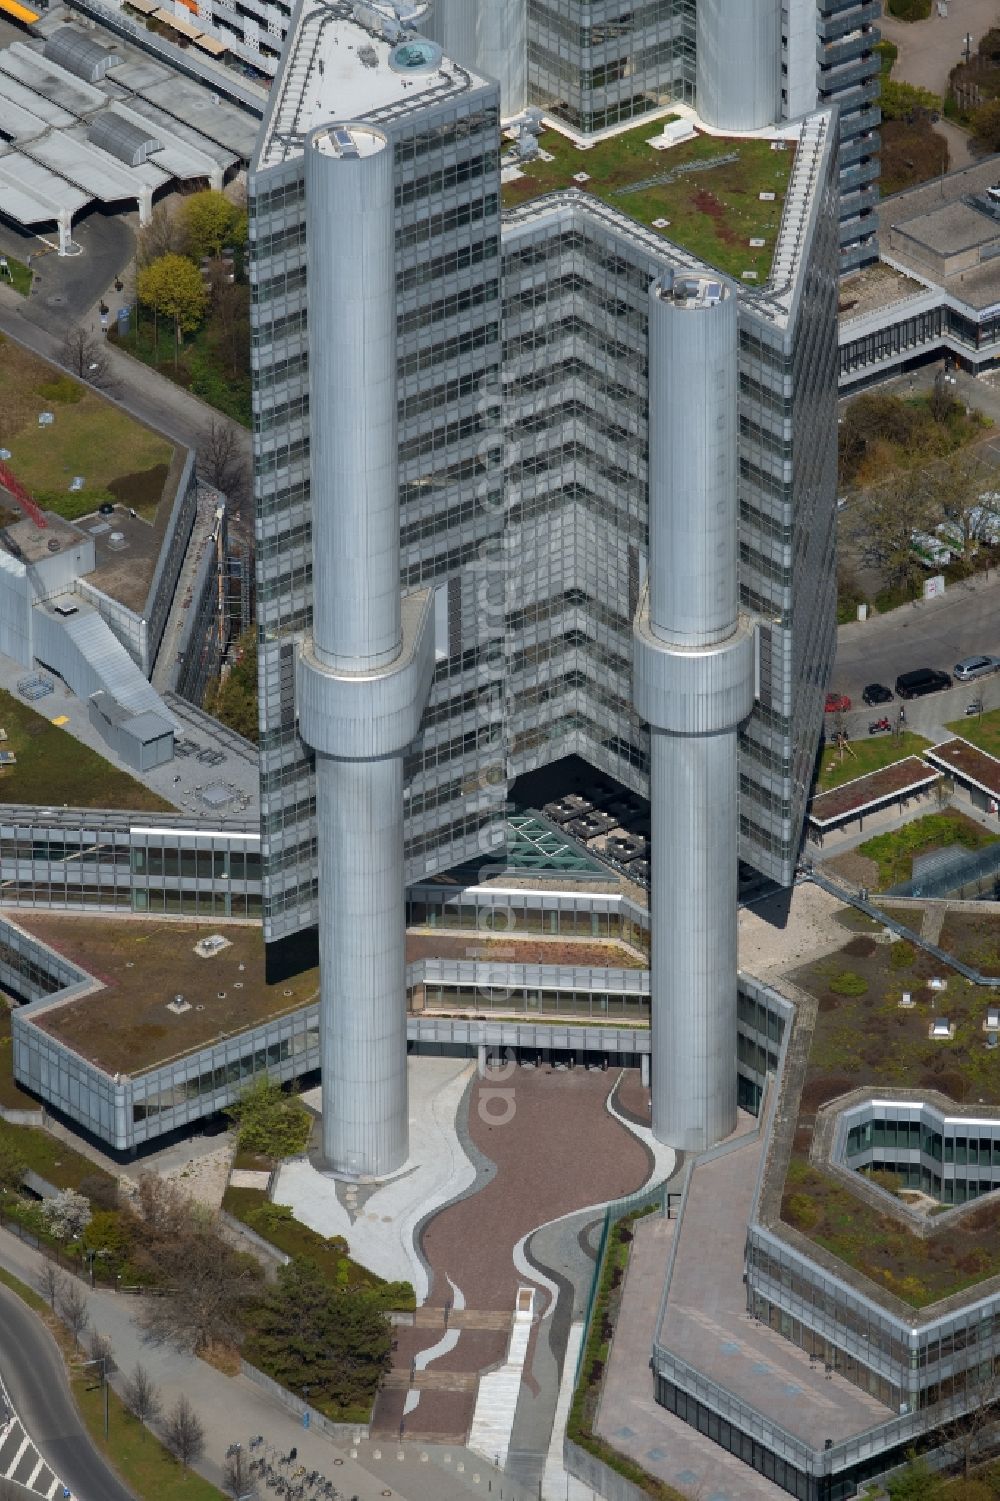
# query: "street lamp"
[[102, 1361]]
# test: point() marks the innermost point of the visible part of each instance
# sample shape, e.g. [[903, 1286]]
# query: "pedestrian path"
[[21, 1462]]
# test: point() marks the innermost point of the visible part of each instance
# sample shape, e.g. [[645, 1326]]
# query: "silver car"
[[975, 667]]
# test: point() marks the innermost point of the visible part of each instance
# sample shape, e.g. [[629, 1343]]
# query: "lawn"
[[713, 205], [117, 457], [862, 1037], [894, 852], [149, 1470], [55, 770], [862, 756], [49, 1157], [21, 276], [982, 730], [12, 1096], [198, 368]]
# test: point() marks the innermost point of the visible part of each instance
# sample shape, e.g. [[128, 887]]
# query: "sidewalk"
[[234, 1410]]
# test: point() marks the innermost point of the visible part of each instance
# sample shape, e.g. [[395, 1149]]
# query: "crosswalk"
[[21, 1462]]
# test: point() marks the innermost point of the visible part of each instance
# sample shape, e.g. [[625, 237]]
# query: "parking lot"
[[930, 633]]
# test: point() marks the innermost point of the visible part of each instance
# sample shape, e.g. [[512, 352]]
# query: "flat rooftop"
[[337, 69], [873, 289], [123, 1025], [939, 220], [705, 1319], [703, 194]]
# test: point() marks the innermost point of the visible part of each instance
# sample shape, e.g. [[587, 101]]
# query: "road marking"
[[17, 1457], [52, 1490], [30, 1482]]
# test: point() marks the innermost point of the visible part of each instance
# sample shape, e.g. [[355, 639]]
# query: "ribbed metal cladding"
[[693, 596], [739, 56], [489, 36], [352, 396], [693, 683], [363, 965], [693, 965]]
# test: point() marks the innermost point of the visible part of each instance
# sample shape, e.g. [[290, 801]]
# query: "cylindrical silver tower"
[[694, 684], [489, 36], [364, 675], [738, 63]]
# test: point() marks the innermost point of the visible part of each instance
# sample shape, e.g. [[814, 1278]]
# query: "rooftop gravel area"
[[862, 1038], [708, 188], [125, 1026]]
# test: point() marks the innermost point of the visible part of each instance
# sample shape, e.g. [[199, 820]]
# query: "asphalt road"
[[934, 633], [36, 1380]]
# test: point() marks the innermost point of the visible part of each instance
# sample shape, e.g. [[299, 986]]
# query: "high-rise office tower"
[[478, 474]]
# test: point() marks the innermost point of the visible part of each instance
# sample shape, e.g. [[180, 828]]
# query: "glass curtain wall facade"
[[450, 488], [597, 64]]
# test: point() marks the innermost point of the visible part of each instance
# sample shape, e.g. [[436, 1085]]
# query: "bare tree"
[[163, 235], [73, 1308], [141, 1396], [236, 1478], [967, 1439], [51, 1282], [205, 1283], [86, 356], [99, 1348], [222, 460], [955, 486], [183, 1433], [878, 527]]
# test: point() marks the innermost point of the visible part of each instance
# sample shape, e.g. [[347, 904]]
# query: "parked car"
[[922, 680], [837, 703], [975, 667], [877, 693]]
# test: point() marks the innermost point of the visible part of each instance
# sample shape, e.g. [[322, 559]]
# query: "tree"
[[233, 698], [986, 125], [163, 235], [879, 525], [51, 1283], [271, 1122], [901, 101], [173, 286], [183, 1433], [916, 1482], [99, 1348], [73, 1308], [204, 1284], [955, 485], [12, 1166], [967, 1438], [306, 1334], [86, 356], [210, 221], [141, 1397], [229, 326], [67, 1214], [223, 461], [236, 1478]]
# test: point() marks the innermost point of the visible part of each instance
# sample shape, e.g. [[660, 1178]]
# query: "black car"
[[923, 680], [877, 693]]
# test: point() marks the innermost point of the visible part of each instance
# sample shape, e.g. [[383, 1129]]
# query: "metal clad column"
[[693, 683], [739, 63], [364, 675], [352, 385], [489, 36], [502, 51]]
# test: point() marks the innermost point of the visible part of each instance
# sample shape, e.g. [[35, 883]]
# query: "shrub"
[[901, 954], [848, 983], [271, 1122], [802, 1212], [910, 10]]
